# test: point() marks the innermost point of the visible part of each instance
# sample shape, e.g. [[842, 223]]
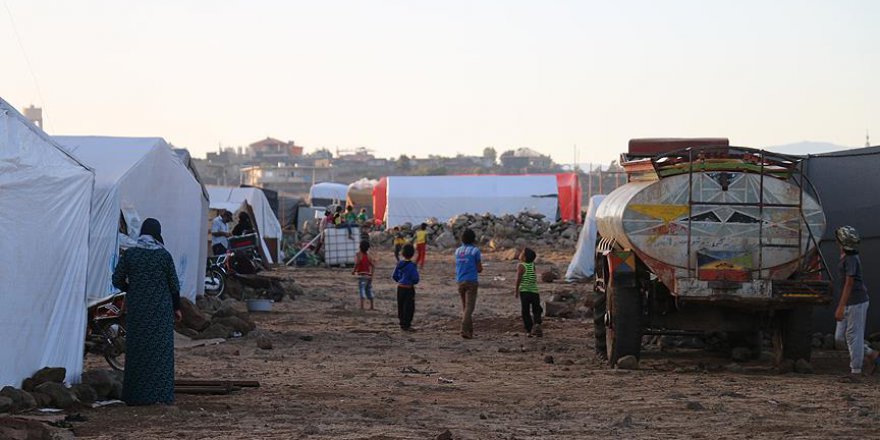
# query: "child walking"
[[399, 241], [527, 290], [406, 274], [363, 269], [421, 245], [468, 265]]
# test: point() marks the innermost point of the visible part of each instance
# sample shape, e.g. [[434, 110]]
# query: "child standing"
[[421, 245], [363, 269], [399, 241], [468, 265], [406, 274], [527, 290]]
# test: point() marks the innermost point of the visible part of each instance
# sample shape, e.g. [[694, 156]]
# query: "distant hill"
[[807, 147]]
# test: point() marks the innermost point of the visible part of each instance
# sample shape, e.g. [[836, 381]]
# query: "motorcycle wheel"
[[215, 283], [114, 350]]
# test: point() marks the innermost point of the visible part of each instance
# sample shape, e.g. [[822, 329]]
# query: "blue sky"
[[421, 77]]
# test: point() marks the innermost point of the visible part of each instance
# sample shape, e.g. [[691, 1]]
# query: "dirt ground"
[[337, 372]]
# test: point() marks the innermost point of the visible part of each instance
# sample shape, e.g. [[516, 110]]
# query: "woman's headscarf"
[[151, 235]]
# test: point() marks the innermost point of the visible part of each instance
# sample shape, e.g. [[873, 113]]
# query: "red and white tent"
[[414, 199]]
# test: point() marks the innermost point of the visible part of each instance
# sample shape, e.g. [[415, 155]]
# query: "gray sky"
[[420, 77]]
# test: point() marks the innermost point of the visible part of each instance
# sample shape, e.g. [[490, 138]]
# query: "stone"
[[208, 304], [62, 397], [307, 338], [828, 342], [445, 240], [445, 435], [628, 362], [741, 354], [548, 359], [559, 309], [85, 393], [21, 400], [803, 367], [28, 384], [6, 404], [786, 366], [549, 276], [192, 317], [228, 308], [235, 323], [188, 332], [42, 400], [49, 374], [215, 331], [264, 343], [101, 381], [734, 367], [695, 406], [293, 289]]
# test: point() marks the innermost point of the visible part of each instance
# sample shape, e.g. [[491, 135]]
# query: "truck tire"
[[796, 337], [624, 337], [599, 310]]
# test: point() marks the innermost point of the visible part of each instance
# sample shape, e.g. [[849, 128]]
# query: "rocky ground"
[[337, 372]]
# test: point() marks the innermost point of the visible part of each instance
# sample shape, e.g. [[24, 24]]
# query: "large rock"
[[208, 304], [42, 400], [445, 240], [49, 374], [21, 400], [192, 317], [628, 363], [560, 309], [6, 405], [84, 393], [215, 331], [102, 381], [62, 397], [235, 323]]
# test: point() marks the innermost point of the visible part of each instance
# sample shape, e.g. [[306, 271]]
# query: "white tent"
[[138, 178], [44, 215], [414, 199], [328, 192], [583, 264], [225, 197]]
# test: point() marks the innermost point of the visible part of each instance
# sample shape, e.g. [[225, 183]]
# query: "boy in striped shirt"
[[527, 291]]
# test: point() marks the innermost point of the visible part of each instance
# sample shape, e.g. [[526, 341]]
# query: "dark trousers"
[[397, 248], [406, 305], [218, 249], [531, 309]]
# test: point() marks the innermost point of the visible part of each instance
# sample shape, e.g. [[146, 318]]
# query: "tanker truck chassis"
[[709, 238]]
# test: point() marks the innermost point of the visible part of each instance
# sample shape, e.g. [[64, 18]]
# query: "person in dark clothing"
[[527, 291], [244, 225], [406, 274], [147, 274]]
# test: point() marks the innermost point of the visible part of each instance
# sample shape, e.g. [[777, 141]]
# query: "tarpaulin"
[[141, 178], [583, 264], [44, 216]]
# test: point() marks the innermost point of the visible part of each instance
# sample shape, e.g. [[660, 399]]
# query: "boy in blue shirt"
[[468, 265], [406, 274]]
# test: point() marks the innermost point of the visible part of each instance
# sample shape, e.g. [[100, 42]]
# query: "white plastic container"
[[259, 305]]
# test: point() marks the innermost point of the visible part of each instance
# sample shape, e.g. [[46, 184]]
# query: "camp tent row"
[[68, 204], [413, 199]]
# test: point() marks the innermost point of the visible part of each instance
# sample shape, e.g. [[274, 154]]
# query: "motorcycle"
[[242, 258], [215, 275], [105, 334]]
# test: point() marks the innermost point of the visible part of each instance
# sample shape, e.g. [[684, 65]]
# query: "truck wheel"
[[796, 337], [624, 337], [599, 310]]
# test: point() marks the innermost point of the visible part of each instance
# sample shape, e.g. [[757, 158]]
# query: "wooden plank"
[[217, 382], [209, 390]]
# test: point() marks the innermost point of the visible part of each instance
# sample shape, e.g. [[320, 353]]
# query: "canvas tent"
[[847, 183], [44, 214], [413, 199], [138, 178], [583, 264], [327, 193], [264, 218]]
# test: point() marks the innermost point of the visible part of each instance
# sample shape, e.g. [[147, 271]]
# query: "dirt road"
[[337, 372]]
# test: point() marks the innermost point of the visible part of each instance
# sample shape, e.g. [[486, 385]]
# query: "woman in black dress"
[[146, 273]]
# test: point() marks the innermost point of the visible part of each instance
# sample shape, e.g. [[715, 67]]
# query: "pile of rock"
[[46, 389], [212, 318], [504, 232]]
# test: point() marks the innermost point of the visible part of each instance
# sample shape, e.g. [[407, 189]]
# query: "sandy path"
[[338, 372]]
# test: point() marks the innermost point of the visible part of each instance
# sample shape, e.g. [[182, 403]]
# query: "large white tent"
[[327, 193], [226, 197], [44, 215], [138, 178], [414, 199]]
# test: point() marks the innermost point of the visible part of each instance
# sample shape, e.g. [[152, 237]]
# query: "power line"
[[27, 61]]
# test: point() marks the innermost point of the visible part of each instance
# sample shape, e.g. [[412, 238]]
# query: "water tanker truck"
[[705, 238]]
